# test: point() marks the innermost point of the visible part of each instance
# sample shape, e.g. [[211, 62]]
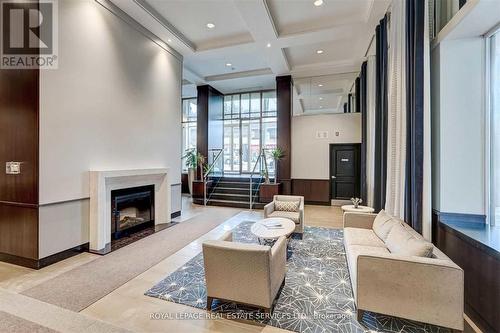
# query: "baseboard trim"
[[52, 259], [20, 261], [317, 203], [41, 263]]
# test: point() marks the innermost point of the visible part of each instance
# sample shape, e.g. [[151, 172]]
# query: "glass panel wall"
[[189, 117], [249, 126]]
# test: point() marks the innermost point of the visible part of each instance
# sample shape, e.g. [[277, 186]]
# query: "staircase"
[[233, 192]]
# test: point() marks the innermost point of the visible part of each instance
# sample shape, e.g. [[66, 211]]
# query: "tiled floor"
[[127, 307]]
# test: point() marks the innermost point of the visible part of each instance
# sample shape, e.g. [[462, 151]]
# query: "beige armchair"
[[297, 217], [249, 274]]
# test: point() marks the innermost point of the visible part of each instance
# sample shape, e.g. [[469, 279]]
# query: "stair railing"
[[216, 155], [262, 163]]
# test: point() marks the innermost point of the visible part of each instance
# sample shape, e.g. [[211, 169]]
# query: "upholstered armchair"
[[270, 210], [250, 274]]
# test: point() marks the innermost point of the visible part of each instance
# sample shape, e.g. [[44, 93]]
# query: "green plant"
[[277, 153], [191, 158]]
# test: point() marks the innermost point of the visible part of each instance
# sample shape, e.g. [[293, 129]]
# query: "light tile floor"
[[127, 307]]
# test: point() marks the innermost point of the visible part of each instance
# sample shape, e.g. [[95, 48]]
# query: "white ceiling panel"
[[298, 16], [190, 17]]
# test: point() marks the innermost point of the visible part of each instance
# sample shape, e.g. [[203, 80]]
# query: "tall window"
[[494, 102], [188, 126], [249, 126]]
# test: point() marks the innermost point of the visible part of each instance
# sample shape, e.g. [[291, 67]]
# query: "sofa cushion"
[[358, 236], [383, 223], [294, 216], [353, 252], [287, 205], [401, 241]]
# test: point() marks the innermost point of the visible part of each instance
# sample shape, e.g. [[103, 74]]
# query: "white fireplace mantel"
[[102, 182]]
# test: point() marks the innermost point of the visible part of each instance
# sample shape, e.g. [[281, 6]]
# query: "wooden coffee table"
[[267, 233]]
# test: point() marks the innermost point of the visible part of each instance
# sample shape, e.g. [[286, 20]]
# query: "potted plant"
[[191, 163], [277, 154], [200, 160]]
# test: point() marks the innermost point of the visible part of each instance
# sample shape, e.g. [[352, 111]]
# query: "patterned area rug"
[[316, 297]]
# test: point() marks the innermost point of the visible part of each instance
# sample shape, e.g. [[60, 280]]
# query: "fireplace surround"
[[102, 183]]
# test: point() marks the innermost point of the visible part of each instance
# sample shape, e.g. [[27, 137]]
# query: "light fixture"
[[319, 51], [268, 45], [320, 106], [229, 64], [210, 25], [321, 98], [318, 3], [320, 85], [169, 40]]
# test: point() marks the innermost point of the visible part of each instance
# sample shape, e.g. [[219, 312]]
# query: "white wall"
[[310, 156], [114, 103], [458, 126]]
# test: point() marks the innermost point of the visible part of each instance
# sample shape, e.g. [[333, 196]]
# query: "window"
[[249, 126], [189, 117], [494, 103]]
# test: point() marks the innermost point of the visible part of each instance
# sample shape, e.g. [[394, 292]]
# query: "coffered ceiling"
[[253, 41]]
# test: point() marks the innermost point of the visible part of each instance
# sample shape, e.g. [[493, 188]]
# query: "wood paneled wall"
[[284, 106], [19, 91], [482, 273], [315, 191]]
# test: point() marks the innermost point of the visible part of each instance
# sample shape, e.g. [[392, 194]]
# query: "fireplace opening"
[[132, 210]]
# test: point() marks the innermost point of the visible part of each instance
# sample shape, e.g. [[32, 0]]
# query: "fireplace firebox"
[[132, 209]]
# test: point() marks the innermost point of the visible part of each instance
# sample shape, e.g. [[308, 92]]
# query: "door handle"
[[333, 177]]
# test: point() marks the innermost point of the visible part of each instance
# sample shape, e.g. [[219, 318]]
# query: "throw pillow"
[[286, 206], [401, 241], [383, 224]]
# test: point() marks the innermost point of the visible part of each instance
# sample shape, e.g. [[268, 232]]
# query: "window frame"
[[185, 123], [489, 130]]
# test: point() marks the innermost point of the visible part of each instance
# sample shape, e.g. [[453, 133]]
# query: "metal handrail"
[[209, 169], [262, 155]]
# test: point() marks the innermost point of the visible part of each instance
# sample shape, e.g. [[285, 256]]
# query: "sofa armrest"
[[278, 264], [428, 290], [227, 236], [358, 220], [268, 209]]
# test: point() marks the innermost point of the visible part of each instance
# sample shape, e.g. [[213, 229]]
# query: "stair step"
[[235, 204], [220, 190]]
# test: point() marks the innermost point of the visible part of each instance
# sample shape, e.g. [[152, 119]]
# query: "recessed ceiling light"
[[268, 45], [321, 98], [210, 25], [320, 85], [319, 51], [169, 40], [318, 3], [320, 106], [229, 64]]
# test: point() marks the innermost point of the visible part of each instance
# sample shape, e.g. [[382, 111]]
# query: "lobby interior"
[[251, 166]]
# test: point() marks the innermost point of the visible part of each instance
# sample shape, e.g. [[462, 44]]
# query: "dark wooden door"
[[344, 171]]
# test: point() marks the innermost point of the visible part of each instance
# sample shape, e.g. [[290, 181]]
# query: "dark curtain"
[[381, 116], [361, 103], [415, 11]]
